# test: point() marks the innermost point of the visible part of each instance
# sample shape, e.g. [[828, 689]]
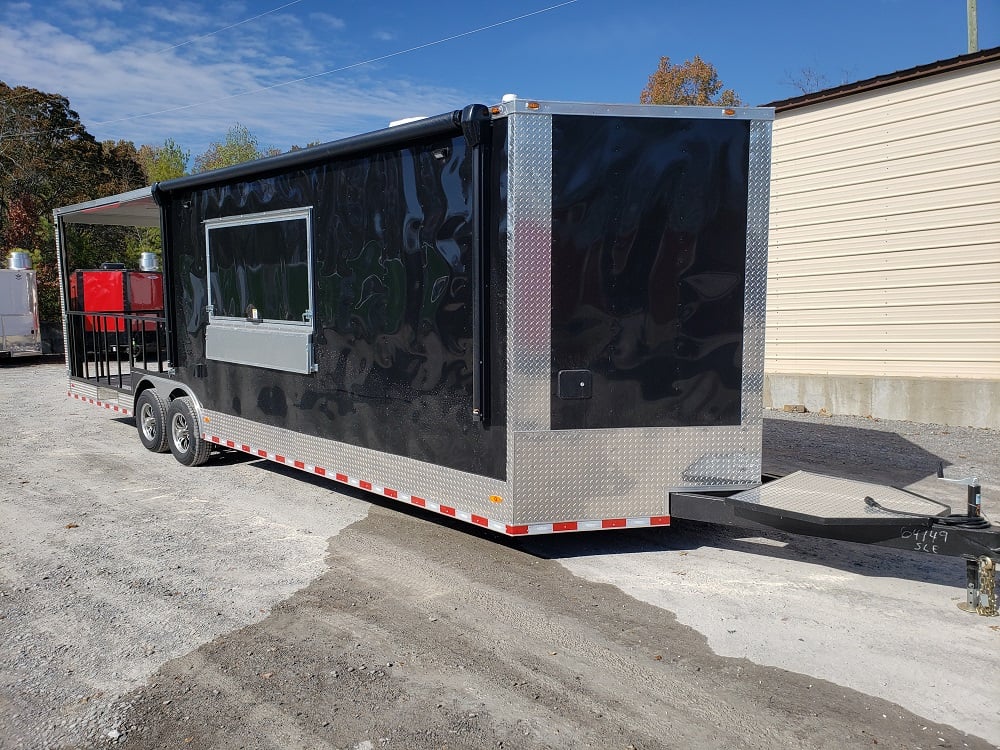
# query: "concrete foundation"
[[950, 401]]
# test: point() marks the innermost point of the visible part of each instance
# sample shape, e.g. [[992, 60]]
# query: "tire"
[[151, 421], [184, 433]]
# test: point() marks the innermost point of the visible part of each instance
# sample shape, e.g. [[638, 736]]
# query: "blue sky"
[[197, 68]]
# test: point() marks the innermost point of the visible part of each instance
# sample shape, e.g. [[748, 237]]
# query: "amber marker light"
[[496, 499], [534, 105], [496, 110], [729, 112]]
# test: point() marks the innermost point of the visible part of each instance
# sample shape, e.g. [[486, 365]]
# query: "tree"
[[691, 82], [239, 146], [163, 162], [48, 159], [807, 81]]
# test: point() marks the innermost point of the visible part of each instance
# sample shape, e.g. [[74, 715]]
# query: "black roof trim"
[[448, 123], [889, 79]]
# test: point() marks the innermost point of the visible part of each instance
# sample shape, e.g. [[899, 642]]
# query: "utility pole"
[[970, 10]]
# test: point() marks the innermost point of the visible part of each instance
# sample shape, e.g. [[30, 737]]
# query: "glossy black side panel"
[[648, 269], [393, 321]]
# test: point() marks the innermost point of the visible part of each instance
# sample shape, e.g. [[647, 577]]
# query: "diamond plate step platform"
[[824, 500]]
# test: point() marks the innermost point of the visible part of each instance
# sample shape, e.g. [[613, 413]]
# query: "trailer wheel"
[[184, 435], [151, 420]]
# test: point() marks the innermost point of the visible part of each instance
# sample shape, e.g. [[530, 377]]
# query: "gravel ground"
[[147, 605]]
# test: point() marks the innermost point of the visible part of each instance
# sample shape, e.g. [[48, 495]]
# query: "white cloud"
[[383, 36], [192, 96], [92, 5], [328, 20]]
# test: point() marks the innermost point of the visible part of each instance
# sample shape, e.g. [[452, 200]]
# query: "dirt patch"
[[422, 637]]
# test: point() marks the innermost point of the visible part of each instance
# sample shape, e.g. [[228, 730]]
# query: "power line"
[[369, 61], [226, 28], [343, 68]]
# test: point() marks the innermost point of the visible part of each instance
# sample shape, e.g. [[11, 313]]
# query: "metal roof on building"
[[889, 79]]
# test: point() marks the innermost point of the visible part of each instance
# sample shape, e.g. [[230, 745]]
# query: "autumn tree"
[[48, 159], [691, 82], [240, 145]]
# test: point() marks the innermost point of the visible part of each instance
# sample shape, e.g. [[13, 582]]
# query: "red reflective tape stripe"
[[447, 511], [613, 523], [365, 485], [418, 501], [245, 448], [480, 520], [343, 478], [564, 526], [230, 444], [215, 438], [262, 454], [279, 459], [659, 521], [390, 493], [515, 530], [320, 470], [299, 465]]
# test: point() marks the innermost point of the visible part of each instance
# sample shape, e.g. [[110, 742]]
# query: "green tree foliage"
[[691, 82], [159, 163], [164, 162], [48, 159], [240, 145]]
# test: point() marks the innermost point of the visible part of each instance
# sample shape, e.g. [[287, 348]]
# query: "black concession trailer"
[[535, 317]]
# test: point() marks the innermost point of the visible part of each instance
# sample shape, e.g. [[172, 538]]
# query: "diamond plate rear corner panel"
[[529, 251], [625, 473], [755, 295]]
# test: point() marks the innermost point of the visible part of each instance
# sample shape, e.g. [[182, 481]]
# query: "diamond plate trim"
[[823, 496], [467, 493], [627, 472], [529, 257], [106, 398], [755, 299]]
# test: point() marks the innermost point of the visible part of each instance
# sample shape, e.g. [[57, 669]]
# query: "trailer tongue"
[[833, 508]]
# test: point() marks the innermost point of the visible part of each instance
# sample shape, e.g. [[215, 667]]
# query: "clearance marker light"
[[534, 105], [496, 499], [729, 111]]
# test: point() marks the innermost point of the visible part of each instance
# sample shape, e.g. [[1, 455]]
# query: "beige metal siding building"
[[884, 265]]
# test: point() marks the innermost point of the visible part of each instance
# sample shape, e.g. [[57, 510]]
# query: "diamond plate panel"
[[578, 474], [830, 497], [755, 300], [529, 251], [460, 490]]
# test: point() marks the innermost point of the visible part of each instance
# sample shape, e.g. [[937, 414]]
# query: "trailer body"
[[20, 332], [540, 317]]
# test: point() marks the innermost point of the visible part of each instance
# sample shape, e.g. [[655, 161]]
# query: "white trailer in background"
[[20, 335]]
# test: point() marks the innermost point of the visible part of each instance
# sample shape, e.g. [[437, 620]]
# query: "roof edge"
[[889, 79]]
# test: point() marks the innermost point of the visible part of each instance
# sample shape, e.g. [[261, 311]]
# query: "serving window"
[[260, 297]]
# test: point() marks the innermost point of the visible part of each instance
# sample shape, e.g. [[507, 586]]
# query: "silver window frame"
[[274, 344], [263, 217]]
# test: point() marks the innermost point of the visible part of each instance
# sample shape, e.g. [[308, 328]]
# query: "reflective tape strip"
[[97, 402], [557, 527]]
